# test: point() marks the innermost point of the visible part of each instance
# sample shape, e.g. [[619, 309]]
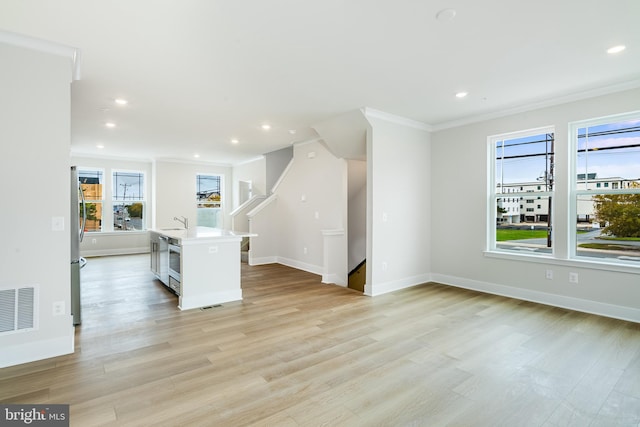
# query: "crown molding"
[[377, 114], [72, 53], [565, 99]]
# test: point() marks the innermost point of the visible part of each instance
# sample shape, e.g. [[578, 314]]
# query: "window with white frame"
[[128, 201], [92, 186], [521, 163], [605, 193], [209, 200]]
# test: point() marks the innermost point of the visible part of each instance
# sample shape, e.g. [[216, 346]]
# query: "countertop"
[[195, 235]]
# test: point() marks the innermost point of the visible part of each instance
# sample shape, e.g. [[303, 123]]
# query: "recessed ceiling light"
[[110, 124], [121, 101], [461, 94], [234, 141], [196, 155], [292, 131], [266, 126], [616, 49], [446, 15], [100, 146]]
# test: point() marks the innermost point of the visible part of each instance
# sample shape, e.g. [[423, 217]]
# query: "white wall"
[[117, 242], [35, 185], [311, 198], [459, 216], [399, 206], [357, 234], [175, 191], [254, 172], [275, 164]]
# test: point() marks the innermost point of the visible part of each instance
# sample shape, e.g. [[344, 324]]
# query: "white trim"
[[310, 268], [72, 53], [37, 350], [262, 260], [333, 279], [244, 162], [577, 96], [118, 251], [336, 232], [266, 202], [593, 307], [247, 203], [209, 298], [399, 120], [282, 175], [395, 285]]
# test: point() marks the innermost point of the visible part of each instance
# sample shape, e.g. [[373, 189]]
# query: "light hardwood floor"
[[297, 352]]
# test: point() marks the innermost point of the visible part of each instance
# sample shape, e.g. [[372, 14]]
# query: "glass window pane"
[[128, 216], [94, 216], [128, 186], [608, 226], [524, 230], [609, 155], [525, 164], [91, 184]]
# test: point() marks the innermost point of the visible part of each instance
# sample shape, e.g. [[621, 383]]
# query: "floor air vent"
[[17, 309]]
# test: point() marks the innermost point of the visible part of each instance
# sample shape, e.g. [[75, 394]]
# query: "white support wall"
[[35, 184]]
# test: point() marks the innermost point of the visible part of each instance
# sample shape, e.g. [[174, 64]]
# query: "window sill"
[[593, 264]]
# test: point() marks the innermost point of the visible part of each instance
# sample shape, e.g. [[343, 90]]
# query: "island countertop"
[[199, 234]]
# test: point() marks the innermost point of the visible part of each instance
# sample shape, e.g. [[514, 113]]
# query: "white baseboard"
[[211, 298], [118, 251], [310, 268], [262, 260], [395, 285], [334, 279], [587, 306], [17, 354]]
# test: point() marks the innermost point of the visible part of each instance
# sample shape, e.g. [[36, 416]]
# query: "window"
[[128, 201], [606, 221], [91, 183], [522, 163], [209, 200]]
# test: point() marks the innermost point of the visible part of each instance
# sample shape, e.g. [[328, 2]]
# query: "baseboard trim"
[[310, 268], [118, 251], [18, 354], [586, 306], [396, 285], [262, 260], [333, 279]]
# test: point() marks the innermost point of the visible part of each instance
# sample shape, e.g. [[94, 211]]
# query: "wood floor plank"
[[296, 352]]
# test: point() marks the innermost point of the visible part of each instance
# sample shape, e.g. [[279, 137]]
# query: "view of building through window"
[[604, 191], [126, 207], [523, 185], [607, 189], [209, 200]]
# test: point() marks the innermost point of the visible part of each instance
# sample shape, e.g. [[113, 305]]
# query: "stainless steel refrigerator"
[[77, 233]]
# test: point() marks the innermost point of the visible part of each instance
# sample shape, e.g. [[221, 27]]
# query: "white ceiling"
[[198, 73]]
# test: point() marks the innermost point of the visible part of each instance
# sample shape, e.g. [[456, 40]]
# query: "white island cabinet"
[[209, 265]]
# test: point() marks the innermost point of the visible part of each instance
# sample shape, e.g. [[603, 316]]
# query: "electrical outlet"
[[58, 308], [304, 250], [573, 277], [548, 274], [94, 241], [384, 266], [213, 249]]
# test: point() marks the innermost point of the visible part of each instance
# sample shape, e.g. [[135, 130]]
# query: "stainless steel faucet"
[[183, 220]]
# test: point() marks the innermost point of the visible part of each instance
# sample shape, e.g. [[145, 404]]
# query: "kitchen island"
[[202, 264]]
